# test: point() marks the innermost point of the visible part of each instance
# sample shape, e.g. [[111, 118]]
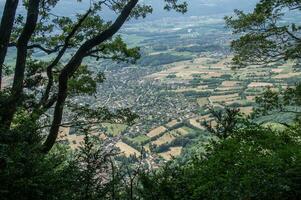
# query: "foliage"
[[283, 101], [227, 121], [42, 97], [25, 173], [265, 35], [254, 163], [88, 173], [42, 87]]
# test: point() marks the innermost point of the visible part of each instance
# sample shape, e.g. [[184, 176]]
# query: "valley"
[[185, 67]]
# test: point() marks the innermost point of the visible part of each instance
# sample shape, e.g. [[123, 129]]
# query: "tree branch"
[[45, 96], [73, 65]]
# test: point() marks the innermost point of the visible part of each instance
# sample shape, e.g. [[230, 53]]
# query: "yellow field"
[[182, 131], [75, 140], [222, 90], [185, 70], [146, 148], [173, 152], [224, 98], [260, 84], [171, 123], [196, 89], [251, 98], [156, 131], [166, 138], [246, 110], [287, 75], [230, 83], [277, 70], [126, 149], [194, 122], [203, 101]]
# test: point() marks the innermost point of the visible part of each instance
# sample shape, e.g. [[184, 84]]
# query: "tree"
[[40, 87], [254, 163], [265, 35], [227, 121]]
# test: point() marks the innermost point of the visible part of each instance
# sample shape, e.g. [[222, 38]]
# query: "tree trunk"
[[72, 66], [22, 43], [7, 22]]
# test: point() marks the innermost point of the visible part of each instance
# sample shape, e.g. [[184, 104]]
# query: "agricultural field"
[[157, 131], [185, 67], [113, 129], [173, 152], [126, 149]]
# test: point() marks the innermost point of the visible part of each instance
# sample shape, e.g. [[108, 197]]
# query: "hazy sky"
[[196, 7], [210, 7]]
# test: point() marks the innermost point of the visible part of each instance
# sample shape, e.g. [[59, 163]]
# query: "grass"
[[203, 101], [275, 126], [189, 130], [166, 138], [126, 149], [157, 131], [173, 152], [114, 129], [140, 139]]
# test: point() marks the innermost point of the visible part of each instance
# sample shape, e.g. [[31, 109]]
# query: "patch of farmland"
[[166, 138], [227, 89], [242, 102], [260, 84], [157, 131], [182, 131], [172, 123], [146, 148], [246, 110], [114, 129], [75, 140], [230, 84], [287, 75], [254, 73], [188, 129], [196, 89], [63, 133], [203, 101], [204, 117], [250, 98], [202, 60], [196, 123], [214, 74], [277, 70], [140, 139], [173, 152], [275, 126], [126, 149], [187, 70], [224, 98], [222, 63]]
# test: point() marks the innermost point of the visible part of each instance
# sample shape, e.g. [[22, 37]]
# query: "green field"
[[114, 129], [140, 139]]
